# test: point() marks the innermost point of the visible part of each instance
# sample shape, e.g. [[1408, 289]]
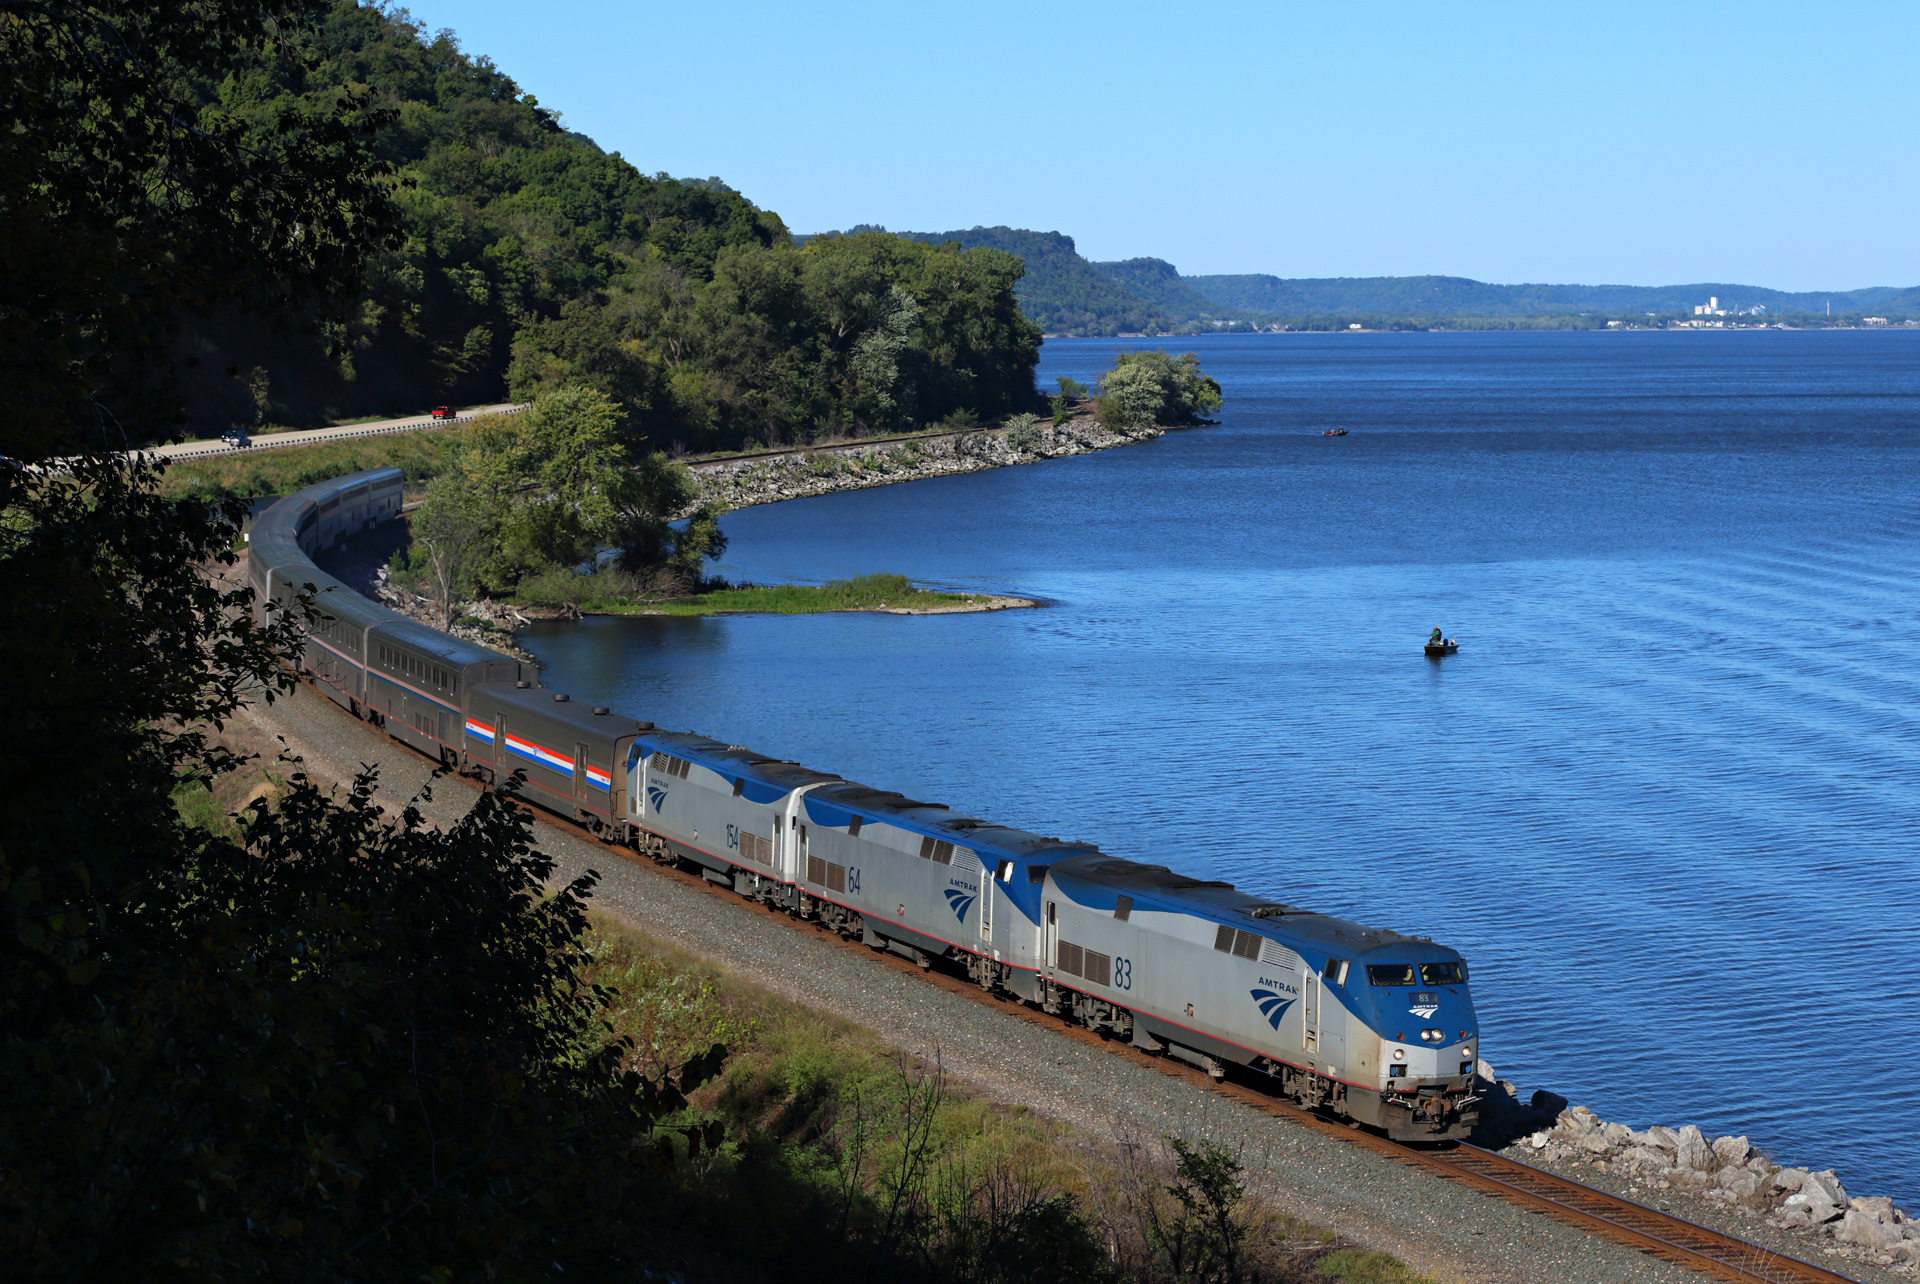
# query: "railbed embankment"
[[1009, 1055], [804, 473]]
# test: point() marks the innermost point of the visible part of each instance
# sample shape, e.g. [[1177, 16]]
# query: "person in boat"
[[1436, 639]]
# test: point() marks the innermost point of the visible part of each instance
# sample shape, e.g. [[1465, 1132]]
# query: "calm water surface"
[[1664, 799]]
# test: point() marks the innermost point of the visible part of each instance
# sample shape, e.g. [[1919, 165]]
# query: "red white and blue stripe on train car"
[[532, 751]]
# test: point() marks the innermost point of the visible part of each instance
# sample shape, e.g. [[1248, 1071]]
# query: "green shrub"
[[1023, 434], [1358, 1266]]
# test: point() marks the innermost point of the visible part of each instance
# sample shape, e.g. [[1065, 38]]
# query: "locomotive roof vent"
[[601, 711], [561, 697], [643, 726], [1274, 911], [523, 684]]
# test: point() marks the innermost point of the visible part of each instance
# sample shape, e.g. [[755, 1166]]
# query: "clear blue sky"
[[1767, 144]]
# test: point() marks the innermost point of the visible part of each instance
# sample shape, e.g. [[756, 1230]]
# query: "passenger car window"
[[1443, 973], [1390, 973]]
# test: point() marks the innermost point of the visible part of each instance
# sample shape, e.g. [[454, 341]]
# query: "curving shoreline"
[[803, 474]]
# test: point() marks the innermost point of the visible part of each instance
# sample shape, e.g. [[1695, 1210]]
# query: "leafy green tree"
[[1148, 388], [335, 1045], [134, 203], [453, 530], [560, 484]]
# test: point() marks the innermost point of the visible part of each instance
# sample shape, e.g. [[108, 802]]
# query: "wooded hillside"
[[530, 257]]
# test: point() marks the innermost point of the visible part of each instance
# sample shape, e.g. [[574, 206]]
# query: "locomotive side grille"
[[836, 877], [816, 870], [1069, 959], [658, 762], [1123, 907], [1098, 969], [1272, 952], [943, 853], [1246, 945], [681, 767], [756, 848], [1223, 939], [926, 848]]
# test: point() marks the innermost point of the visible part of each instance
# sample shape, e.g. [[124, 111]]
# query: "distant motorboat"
[[1447, 647], [1334, 432]]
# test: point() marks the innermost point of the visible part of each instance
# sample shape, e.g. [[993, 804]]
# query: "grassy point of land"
[[886, 593], [608, 592]]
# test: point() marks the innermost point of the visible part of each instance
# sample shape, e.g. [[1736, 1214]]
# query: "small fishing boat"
[[1447, 647], [1334, 432]]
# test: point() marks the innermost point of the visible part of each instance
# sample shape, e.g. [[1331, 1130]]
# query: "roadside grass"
[[851, 1158], [212, 809], [285, 469], [612, 593]]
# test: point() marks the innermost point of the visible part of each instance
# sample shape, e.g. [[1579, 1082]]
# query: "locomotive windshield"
[[1443, 973], [1390, 973]]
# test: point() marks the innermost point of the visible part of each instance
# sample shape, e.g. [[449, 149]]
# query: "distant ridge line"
[[1066, 293]]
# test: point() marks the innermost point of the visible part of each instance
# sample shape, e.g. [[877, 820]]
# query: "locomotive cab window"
[[1443, 973], [1390, 974]]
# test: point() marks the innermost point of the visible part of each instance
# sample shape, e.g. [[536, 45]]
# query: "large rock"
[[1829, 1187], [1878, 1207], [1689, 1179], [1647, 1159], [1616, 1134], [1738, 1182], [1693, 1151], [1789, 1179], [1665, 1138], [1484, 1069], [1576, 1123], [1810, 1202], [1547, 1103], [1731, 1150], [1596, 1142], [1867, 1231]]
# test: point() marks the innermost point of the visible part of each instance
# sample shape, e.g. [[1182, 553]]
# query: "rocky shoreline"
[[1722, 1180], [803, 474]]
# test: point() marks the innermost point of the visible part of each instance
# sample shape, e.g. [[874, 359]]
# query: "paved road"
[[1441, 1227], [308, 437]]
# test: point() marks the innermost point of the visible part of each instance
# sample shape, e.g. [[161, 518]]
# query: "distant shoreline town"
[[1068, 295]]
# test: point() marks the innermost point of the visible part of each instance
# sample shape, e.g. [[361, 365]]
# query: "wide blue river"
[[1666, 799]]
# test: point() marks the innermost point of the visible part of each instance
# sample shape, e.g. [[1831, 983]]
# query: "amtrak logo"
[[1424, 1010], [1272, 1006], [656, 795], [960, 902]]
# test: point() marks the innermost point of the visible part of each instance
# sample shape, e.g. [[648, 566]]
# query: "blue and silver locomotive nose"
[[1419, 1006]]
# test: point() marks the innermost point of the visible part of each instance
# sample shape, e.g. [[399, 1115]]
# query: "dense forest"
[[1159, 283], [1062, 292], [528, 258]]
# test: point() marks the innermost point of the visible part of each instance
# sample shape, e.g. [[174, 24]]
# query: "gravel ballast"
[[1443, 1228]]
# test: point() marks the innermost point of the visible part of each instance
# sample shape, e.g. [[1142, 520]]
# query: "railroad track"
[[1661, 1235], [1655, 1233]]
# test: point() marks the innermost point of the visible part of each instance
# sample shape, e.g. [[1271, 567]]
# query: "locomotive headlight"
[[1399, 1054]]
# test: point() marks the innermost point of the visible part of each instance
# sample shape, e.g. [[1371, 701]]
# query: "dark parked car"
[[236, 438]]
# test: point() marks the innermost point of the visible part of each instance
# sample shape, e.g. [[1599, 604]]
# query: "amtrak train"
[[1371, 1025]]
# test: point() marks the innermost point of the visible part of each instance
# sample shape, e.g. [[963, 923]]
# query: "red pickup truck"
[[443, 412]]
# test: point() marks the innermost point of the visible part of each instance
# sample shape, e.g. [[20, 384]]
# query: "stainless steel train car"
[[1368, 1024]]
